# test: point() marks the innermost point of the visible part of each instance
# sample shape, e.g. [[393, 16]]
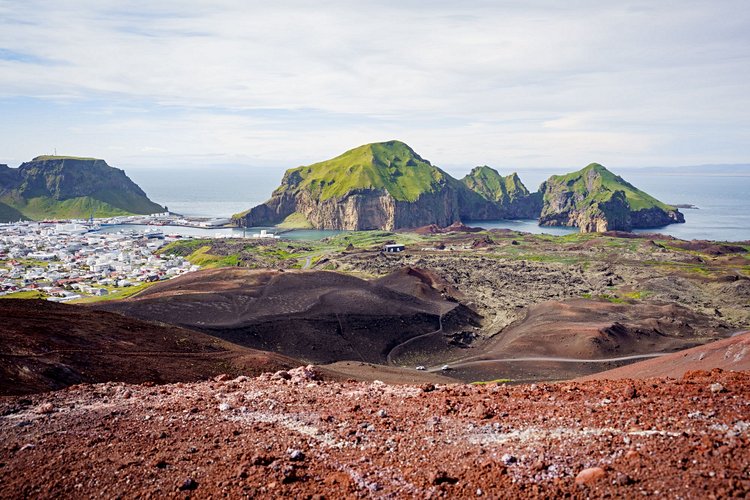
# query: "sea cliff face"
[[358, 210]]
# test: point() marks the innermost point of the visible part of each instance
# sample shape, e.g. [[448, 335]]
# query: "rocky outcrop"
[[55, 186], [595, 200]]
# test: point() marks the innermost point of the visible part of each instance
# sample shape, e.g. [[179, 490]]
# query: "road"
[[463, 364]]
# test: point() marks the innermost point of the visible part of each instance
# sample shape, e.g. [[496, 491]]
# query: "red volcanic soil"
[[317, 316], [289, 435], [728, 354], [46, 346]]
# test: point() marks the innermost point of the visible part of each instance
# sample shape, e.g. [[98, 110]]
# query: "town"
[[72, 261]]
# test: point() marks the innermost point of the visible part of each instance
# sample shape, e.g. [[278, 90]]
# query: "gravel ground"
[[291, 435]]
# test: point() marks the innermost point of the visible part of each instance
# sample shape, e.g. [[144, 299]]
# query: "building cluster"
[[67, 261], [168, 219]]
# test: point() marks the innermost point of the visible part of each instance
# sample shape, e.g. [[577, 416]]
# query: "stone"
[[590, 475], [629, 392], [46, 409], [716, 387], [189, 484]]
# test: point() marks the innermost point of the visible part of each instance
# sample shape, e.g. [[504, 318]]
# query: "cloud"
[[519, 81]]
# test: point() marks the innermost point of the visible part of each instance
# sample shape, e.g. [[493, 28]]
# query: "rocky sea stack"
[[596, 200], [389, 186], [69, 187]]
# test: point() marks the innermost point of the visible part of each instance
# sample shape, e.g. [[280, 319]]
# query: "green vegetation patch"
[[26, 294], [203, 258], [44, 207], [389, 166], [115, 293], [295, 221], [495, 381]]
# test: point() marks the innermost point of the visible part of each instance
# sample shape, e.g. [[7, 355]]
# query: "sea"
[[721, 197]]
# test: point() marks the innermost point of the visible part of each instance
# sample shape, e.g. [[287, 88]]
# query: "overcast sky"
[[276, 83]]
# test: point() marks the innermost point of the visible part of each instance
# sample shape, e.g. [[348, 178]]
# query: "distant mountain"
[[389, 186], [596, 200], [69, 187]]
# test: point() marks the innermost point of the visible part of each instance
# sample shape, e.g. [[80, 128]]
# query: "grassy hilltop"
[[69, 187]]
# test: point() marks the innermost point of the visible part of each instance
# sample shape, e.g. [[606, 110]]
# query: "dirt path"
[[389, 356], [467, 362]]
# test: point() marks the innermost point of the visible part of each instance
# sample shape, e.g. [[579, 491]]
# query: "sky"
[[517, 84]]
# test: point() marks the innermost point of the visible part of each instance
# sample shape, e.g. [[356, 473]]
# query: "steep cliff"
[[596, 200], [376, 186], [69, 187]]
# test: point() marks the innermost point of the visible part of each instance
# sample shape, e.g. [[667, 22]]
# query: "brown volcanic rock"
[[282, 438], [46, 346], [559, 340], [317, 316], [583, 328], [726, 354]]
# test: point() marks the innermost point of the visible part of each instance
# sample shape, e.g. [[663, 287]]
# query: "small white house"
[[394, 248]]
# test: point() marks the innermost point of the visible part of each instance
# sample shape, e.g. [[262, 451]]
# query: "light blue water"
[[723, 201]]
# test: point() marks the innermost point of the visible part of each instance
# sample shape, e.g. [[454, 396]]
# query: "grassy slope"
[[605, 183], [99, 202], [10, 214], [491, 185], [391, 166], [84, 206], [295, 221]]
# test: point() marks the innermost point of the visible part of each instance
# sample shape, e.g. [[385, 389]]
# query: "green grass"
[[31, 262], [295, 221], [495, 381], [637, 295], [202, 258], [115, 293], [26, 294], [389, 166], [44, 208]]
